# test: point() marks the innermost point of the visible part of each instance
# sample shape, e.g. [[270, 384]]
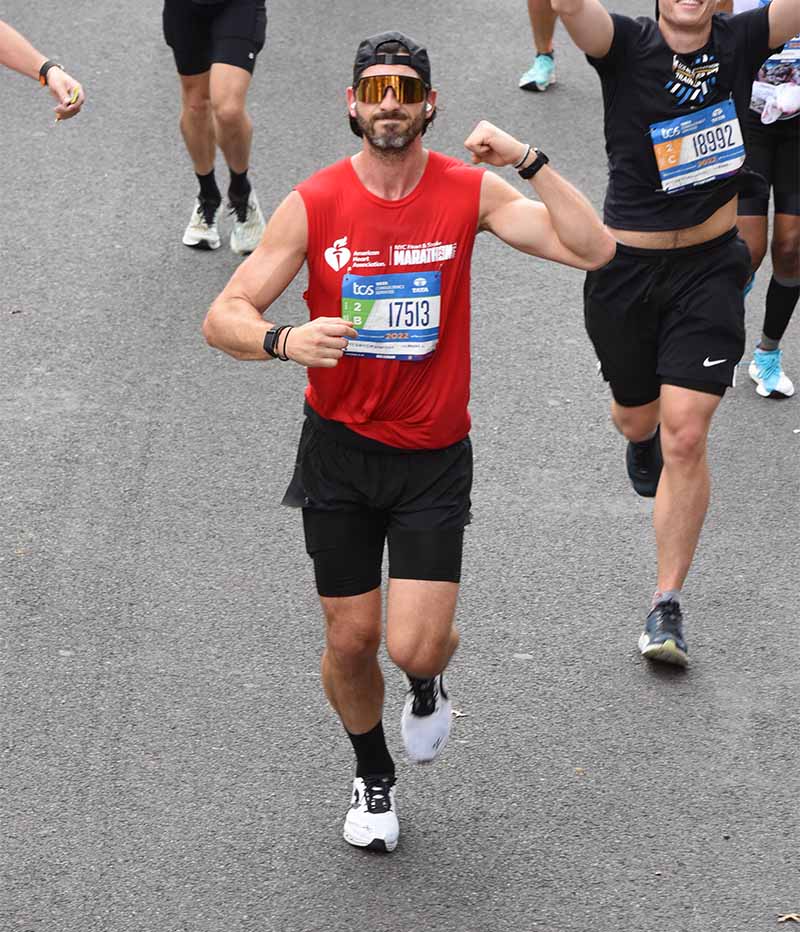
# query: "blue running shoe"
[[767, 372], [662, 638], [540, 75]]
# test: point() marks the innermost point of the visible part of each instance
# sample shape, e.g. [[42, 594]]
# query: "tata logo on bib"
[[419, 282], [338, 255]]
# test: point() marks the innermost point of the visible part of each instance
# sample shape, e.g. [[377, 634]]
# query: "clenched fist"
[[488, 143], [320, 343]]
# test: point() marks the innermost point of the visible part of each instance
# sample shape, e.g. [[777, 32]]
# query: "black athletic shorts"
[[672, 317], [229, 32], [356, 494], [773, 151]]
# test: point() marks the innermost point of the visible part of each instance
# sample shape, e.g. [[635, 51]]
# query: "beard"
[[391, 138]]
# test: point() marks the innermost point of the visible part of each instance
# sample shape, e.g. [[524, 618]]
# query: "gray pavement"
[[169, 762]]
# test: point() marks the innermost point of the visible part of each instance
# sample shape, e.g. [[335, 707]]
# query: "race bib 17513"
[[700, 147], [396, 315]]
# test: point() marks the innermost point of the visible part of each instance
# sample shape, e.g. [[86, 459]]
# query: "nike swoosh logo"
[[712, 362]]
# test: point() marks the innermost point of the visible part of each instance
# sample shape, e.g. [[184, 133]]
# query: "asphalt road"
[[169, 763]]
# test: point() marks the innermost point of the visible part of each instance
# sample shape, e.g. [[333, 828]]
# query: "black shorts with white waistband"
[[669, 316], [358, 494], [228, 32]]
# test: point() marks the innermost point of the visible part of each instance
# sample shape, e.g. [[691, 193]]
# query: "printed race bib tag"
[[701, 147], [396, 316]]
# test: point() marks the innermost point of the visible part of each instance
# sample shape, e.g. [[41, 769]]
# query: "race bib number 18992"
[[698, 148], [396, 316]]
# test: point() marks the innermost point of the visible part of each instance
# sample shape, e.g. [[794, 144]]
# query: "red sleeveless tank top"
[[360, 244]]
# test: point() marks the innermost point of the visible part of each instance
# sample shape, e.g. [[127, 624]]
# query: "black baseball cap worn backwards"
[[369, 53]]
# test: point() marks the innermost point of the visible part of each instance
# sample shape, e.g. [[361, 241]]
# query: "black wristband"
[[539, 162], [285, 330], [45, 68], [270, 339]]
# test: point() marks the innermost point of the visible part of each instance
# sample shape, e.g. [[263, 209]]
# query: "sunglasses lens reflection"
[[406, 89]]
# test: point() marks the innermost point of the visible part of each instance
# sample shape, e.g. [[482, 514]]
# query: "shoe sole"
[[536, 88], [203, 244], [665, 652], [376, 844]]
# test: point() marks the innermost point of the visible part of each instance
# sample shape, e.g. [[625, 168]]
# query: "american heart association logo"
[[338, 255]]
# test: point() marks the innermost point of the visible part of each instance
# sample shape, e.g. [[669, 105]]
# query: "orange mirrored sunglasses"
[[407, 89]]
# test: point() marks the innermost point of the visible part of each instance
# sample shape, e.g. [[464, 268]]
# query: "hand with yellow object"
[[66, 91]]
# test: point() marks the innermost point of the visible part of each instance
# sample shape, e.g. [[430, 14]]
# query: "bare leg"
[[197, 126], [420, 635], [786, 247], [351, 675], [753, 231], [234, 129], [636, 424], [543, 24], [683, 492]]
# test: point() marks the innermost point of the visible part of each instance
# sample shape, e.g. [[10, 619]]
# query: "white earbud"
[[429, 107]]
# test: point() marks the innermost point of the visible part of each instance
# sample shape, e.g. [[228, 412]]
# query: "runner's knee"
[[786, 259], [229, 114], [351, 639], [684, 443], [423, 654]]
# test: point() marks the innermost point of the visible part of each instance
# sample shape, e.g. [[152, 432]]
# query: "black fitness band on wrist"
[[270, 338], [539, 162], [45, 68]]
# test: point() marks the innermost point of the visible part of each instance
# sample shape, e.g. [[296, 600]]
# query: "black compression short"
[[355, 499], [229, 32], [773, 151], [671, 317]]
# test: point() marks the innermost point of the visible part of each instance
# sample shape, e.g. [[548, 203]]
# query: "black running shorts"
[[229, 32], [773, 151], [357, 495], [672, 317]]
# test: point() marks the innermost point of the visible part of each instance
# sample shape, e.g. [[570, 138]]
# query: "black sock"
[[781, 302], [208, 187], [240, 188], [372, 755]]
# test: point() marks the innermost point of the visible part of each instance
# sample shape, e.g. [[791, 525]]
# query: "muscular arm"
[[589, 23], [784, 21], [235, 323], [563, 228]]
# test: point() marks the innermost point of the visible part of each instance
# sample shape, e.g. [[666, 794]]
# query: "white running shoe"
[[371, 821], [248, 225], [767, 372], [202, 232], [425, 723]]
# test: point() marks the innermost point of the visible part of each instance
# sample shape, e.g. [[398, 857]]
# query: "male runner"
[[542, 72], [215, 44], [666, 315], [18, 54], [772, 131], [385, 452]]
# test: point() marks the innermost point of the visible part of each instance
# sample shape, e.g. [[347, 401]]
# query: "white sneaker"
[[248, 225], [425, 723], [371, 821], [202, 232], [767, 372]]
